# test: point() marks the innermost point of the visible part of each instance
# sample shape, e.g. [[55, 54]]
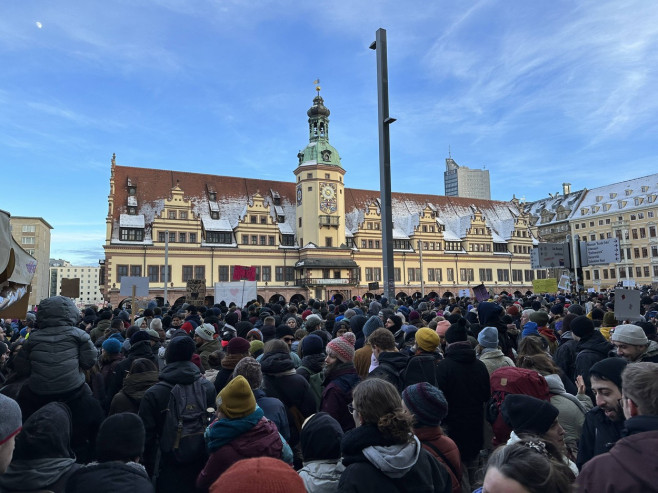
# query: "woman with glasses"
[[382, 453]]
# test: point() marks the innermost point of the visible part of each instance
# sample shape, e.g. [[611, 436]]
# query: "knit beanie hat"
[[373, 323], [320, 437], [557, 309], [312, 344], [457, 332], [349, 313], [342, 347], [237, 345], [610, 369], [180, 348], [630, 334], [140, 335], [255, 333], [250, 369], [312, 322], [427, 403], [236, 400], [539, 317], [414, 316], [442, 327], [576, 310], [189, 326], [529, 329], [11, 422], [513, 310], [273, 476], [284, 331], [120, 437], [255, 346], [112, 345], [205, 332], [582, 326], [488, 337], [609, 319], [524, 413], [427, 339], [232, 318]]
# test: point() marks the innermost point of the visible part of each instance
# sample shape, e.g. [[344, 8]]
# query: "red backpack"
[[511, 380]]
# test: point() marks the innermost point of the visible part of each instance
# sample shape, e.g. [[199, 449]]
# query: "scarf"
[[225, 430]]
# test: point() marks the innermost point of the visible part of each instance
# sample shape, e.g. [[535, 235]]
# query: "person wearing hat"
[[363, 355], [488, 351], [429, 407], [10, 425], [421, 366], [465, 382], [273, 476], [590, 349], [206, 343], [604, 423], [541, 318], [312, 349], [632, 344], [241, 431], [236, 349], [119, 445], [528, 416], [320, 442], [142, 376], [172, 475], [340, 378], [102, 372]]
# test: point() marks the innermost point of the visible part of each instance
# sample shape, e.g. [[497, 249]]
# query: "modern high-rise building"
[[460, 181], [90, 293], [33, 235]]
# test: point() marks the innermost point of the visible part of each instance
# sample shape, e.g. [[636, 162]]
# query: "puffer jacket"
[[58, 351], [321, 476], [110, 477]]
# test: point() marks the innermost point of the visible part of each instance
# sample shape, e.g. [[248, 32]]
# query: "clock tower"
[[320, 188]]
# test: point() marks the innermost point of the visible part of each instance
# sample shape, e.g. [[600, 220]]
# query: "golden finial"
[[317, 86]]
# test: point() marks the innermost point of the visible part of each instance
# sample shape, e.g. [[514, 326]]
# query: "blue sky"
[[538, 92]]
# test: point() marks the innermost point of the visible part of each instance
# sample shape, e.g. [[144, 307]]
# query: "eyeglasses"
[[351, 408]]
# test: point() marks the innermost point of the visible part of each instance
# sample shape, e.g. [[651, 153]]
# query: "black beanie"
[[609, 369], [120, 437], [526, 414], [180, 348], [283, 330], [321, 437], [582, 326], [457, 332]]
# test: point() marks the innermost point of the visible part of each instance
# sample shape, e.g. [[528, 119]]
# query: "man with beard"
[[604, 423]]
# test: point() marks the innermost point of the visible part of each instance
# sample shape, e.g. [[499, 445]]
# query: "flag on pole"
[[316, 81]]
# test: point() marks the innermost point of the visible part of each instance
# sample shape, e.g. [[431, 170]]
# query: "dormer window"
[[214, 215], [132, 190], [628, 192], [212, 196], [132, 210]]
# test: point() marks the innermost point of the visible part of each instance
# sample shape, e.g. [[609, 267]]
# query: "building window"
[[199, 272], [188, 272], [486, 275], [290, 273], [266, 273], [263, 240], [646, 270], [161, 236], [430, 275], [153, 273], [182, 214], [29, 228], [377, 244], [254, 239], [368, 274], [328, 241], [529, 275], [182, 237], [222, 237], [131, 234], [466, 275], [270, 240], [300, 222], [252, 219], [135, 271], [223, 273], [192, 237], [363, 243], [500, 247], [122, 271], [450, 274], [397, 274], [438, 274], [263, 219], [245, 239], [370, 244], [27, 240], [378, 274], [172, 237], [503, 275], [162, 273], [288, 240], [278, 273]]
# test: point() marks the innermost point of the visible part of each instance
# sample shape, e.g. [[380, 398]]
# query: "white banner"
[[239, 292]]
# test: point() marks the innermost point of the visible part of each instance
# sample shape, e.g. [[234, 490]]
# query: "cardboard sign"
[[70, 288], [480, 292], [236, 292], [627, 304], [544, 285], [565, 283], [141, 286]]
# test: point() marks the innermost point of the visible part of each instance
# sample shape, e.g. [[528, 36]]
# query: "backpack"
[[315, 381], [185, 423], [512, 380]]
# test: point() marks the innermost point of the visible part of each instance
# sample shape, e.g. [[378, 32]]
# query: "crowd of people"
[[519, 393]]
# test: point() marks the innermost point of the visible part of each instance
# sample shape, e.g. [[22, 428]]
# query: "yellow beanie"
[[236, 400], [427, 339]]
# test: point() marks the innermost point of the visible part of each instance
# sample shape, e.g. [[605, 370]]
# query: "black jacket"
[[141, 349], [589, 351], [565, 355], [390, 368], [312, 362], [598, 436], [464, 381], [422, 368], [363, 476], [110, 477]]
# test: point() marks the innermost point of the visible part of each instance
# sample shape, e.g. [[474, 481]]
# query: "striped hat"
[[342, 347]]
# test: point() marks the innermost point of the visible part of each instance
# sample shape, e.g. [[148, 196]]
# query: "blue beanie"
[[529, 329], [117, 336], [488, 337], [112, 345], [312, 344], [373, 323]]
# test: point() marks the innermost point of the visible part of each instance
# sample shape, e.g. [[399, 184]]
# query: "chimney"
[[566, 188]]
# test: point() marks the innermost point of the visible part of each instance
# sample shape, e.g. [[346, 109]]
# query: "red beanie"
[[271, 476]]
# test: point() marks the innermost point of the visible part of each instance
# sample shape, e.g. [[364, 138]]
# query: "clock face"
[[299, 195], [328, 203], [328, 192]]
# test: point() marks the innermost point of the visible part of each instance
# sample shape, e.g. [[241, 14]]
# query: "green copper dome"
[[318, 150]]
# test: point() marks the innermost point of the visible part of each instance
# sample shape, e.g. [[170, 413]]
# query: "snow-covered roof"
[[131, 221], [622, 196], [286, 229], [216, 224]]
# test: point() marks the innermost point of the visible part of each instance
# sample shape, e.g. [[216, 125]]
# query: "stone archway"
[[297, 298], [277, 298]]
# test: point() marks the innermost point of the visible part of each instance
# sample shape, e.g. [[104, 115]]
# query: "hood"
[[183, 372], [356, 324], [462, 352], [652, 350], [46, 434], [394, 460], [314, 362], [57, 311], [489, 313], [491, 354], [566, 336], [141, 349], [135, 385], [395, 359], [555, 385], [595, 342], [38, 474], [262, 440], [273, 363]]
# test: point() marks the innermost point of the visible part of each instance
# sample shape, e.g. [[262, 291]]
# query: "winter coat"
[[312, 362], [43, 458], [134, 388], [322, 476], [99, 331], [205, 350], [275, 411], [421, 368], [225, 374], [590, 350], [598, 436], [142, 349], [565, 355], [110, 477], [495, 359], [375, 463], [173, 477], [572, 411], [465, 383], [630, 466], [390, 368], [337, 394], [651, 354], [262, 440], [362, 360], [58, 351], [434, 435], [281, 381]]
